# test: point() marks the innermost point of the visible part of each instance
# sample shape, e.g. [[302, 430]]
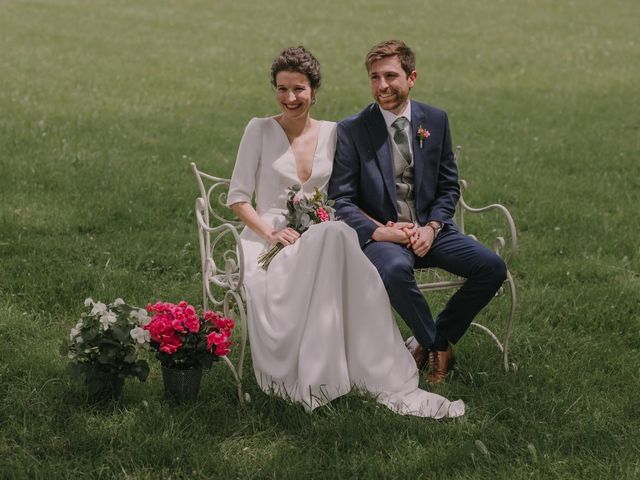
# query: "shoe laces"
[[433, 361]]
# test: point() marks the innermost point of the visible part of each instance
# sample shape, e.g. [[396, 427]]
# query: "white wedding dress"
[[320, 322]]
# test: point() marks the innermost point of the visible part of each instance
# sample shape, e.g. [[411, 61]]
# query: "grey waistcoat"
[[404, 187]]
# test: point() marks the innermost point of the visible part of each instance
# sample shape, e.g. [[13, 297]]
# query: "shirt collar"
[[390, 117]]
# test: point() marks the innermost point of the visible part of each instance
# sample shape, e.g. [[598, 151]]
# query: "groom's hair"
[[389, 48]]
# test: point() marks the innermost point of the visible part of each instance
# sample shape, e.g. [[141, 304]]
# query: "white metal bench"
[[223, 273]]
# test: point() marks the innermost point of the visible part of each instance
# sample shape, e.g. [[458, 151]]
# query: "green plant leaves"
[[102, 350]]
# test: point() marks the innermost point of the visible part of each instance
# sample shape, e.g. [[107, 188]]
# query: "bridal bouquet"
[[183, 339], [302, 212]]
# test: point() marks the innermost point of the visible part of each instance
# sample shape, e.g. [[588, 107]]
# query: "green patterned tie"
[[401, 139]]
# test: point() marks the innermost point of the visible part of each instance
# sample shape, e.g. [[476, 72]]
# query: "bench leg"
[[233, 302], [232, 367], [512, 314], [490, 333], [504, 347]]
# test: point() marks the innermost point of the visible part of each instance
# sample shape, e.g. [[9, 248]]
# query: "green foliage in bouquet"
[[103, 347], [302, 212]]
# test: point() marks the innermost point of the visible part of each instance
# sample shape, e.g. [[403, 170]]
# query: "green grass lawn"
[[104, 104]]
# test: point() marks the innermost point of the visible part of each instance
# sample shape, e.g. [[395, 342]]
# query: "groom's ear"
[[411, 78]]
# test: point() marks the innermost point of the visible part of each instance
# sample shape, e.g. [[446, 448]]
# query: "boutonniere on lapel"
[[422, 134]]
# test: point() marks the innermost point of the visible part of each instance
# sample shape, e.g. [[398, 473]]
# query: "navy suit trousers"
[[454, 252]]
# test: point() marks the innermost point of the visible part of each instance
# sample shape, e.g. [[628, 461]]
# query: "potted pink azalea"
[[186, 343]]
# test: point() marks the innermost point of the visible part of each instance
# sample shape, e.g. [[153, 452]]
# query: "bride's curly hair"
[[297, 59]]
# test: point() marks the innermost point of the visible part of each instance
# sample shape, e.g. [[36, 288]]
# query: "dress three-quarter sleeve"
[[245, 171]]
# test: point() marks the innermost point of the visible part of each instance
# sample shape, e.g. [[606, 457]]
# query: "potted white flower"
[[103, 347]]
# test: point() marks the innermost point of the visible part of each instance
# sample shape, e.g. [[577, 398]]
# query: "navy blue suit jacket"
[[363, 182]]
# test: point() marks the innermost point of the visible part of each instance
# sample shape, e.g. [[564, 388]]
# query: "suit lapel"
[[380, 140], [418, 119]]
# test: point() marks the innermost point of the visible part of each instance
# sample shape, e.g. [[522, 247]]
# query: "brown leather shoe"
[[439, 363], [420, 355]]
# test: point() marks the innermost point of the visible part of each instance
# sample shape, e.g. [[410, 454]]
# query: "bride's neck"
[[295, 128]]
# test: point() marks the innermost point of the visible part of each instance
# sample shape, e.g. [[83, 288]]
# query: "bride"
[[319, 318]]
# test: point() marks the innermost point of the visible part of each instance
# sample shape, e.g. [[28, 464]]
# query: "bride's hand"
[[391, 232], [400, 225], [287, 236]]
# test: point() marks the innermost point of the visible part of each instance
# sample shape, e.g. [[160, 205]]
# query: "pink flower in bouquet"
[[322, 214]]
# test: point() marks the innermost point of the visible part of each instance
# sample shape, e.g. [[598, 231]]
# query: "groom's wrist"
[[435, 226]]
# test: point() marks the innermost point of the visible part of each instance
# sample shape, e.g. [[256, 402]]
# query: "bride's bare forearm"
[[251, 219]]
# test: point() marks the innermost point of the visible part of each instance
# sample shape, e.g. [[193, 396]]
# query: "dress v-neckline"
[[290, 149]]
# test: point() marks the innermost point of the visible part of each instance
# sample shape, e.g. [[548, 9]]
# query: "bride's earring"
[[313, 101]]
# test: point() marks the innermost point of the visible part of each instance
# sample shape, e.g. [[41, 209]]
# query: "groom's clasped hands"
[[419, 239]]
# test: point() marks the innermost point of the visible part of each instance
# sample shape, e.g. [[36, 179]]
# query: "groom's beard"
[[393, 101]]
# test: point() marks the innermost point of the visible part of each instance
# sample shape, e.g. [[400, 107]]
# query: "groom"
[[396, 183]]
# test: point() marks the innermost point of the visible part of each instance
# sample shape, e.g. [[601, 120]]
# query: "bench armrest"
[[506, 250], [221, 253]]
